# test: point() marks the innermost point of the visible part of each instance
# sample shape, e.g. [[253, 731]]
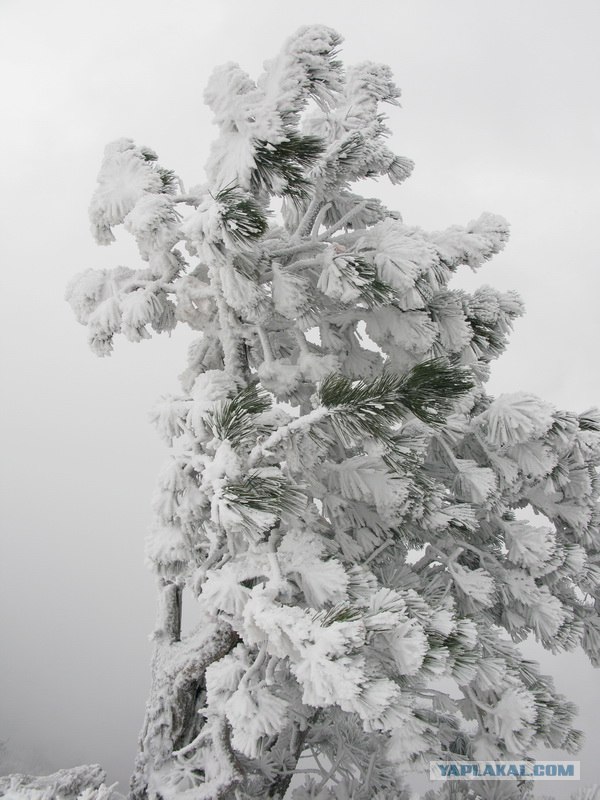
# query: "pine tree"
[[343, 499]]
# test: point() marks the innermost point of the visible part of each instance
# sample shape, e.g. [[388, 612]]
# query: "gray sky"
[[499, 113]]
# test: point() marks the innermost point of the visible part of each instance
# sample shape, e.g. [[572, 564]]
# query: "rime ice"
[[312, 461]]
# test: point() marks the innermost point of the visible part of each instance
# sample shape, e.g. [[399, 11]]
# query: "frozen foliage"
[[79, 783], [342, 500], [500, 790]]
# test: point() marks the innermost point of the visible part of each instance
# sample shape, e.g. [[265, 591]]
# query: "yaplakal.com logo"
[[503, 770]]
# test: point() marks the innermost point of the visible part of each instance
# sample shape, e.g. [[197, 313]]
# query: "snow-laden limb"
[[77, 783], [28, 793], [128, 175], [342, 498]]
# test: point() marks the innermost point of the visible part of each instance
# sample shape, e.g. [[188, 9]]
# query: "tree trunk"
[[178, 667]]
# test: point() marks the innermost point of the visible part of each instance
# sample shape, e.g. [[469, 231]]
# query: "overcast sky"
[[500, 113]]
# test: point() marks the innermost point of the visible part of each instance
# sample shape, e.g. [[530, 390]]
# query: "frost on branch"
[[342, 501], [79, 783], [129, 174]]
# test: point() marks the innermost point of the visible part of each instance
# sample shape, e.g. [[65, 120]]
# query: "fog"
[[499, 114]]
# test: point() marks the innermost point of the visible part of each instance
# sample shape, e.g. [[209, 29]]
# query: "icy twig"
[[378, 550], [278, 436], [307, 217], [265, 343], [256, 665], [342, 221], [292, 250], [319, 221]]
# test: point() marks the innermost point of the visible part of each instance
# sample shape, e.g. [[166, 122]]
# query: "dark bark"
[[172, 599], [281, 784]]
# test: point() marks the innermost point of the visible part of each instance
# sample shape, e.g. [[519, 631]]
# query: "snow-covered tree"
[[343, 499]]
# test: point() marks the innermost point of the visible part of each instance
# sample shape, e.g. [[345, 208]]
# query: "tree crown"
[[343, 498]]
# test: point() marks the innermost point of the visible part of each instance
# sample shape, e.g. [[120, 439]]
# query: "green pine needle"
[[487, 338], [235, 418], [168, 178], [363, 276], [242, 216], [352, 149], [590, 420], [431, 388], [272, 495], [372, 407], [342, 612], [342, 161], [280, 169], [148, 153]]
